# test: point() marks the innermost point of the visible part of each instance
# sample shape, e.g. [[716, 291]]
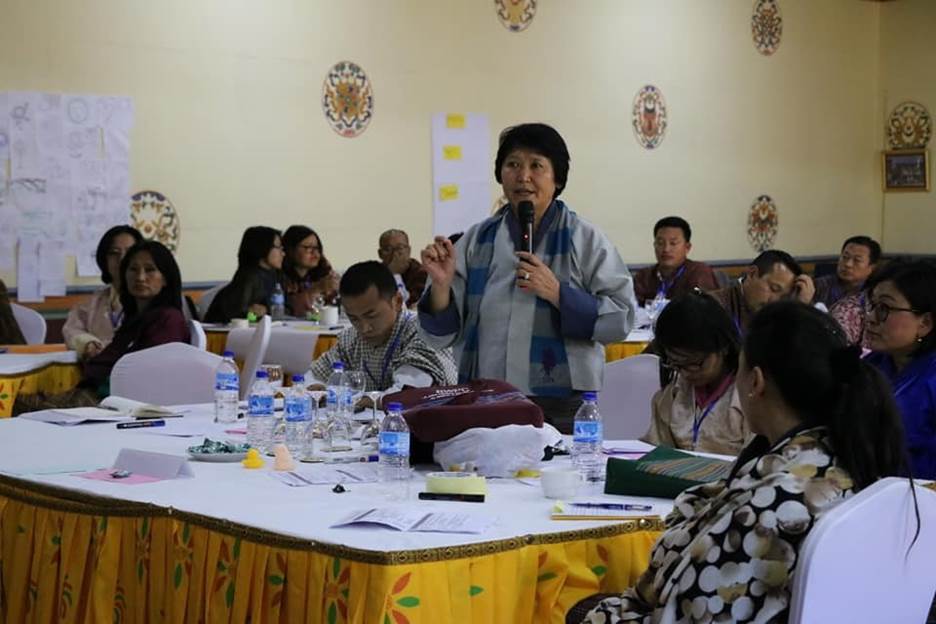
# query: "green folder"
[[662, 473]]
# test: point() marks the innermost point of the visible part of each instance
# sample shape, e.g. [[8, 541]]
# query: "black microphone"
[[525, 208]]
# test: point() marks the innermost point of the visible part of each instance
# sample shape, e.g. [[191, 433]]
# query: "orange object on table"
[[36, 348]]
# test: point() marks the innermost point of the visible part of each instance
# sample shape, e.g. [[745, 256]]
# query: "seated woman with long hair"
[[900, 306], [9, 329], [151, 297], [92, 323], [826, 427], [307, 274], [259, 260], [699, 409]]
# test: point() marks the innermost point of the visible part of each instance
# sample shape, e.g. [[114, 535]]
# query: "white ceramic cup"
[[239, 323], [560, 482], [329, 315]]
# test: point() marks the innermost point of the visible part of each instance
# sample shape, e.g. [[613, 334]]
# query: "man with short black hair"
[[394, 252], [858, 258], [383, 340], [673, 274], [772, 276]]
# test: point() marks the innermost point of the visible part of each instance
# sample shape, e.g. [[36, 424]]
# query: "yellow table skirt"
[[621, 350], [217, 340], [51, 378], [68, 557]]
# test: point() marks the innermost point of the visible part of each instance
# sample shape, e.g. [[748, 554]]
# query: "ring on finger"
[[526, 275]]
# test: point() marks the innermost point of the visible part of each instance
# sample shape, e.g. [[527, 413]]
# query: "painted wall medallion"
[[909, 126], [762, 223], [153, 214], [515, 15], [766, 26], [347, 99], [649, 116]]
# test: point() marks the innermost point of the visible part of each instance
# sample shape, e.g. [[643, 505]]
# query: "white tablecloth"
[[253, 498], [18, 363]]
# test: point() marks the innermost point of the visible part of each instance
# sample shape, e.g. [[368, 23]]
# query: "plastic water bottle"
[[298, 409], [587, 437], [394, 450], [337, 387], [278, 302], [260, 413], [227, 389]]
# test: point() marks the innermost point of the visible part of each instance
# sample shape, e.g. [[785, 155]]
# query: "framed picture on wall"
[[906, 170]]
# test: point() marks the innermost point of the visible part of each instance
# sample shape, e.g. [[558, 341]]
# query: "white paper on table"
[[152, 464], [416, 520], [76, 416], [329, 474], [461, 162], [27, 273]]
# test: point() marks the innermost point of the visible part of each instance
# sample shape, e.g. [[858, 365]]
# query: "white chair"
[[204, 302], [170, 374], [629, 384], [31, 323], [197, 336], [253, 354], [292, 349], [855, 567]]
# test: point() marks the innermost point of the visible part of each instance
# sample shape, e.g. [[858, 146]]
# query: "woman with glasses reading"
[[900, 303], [699, 409], [259, 260], [306, 272]]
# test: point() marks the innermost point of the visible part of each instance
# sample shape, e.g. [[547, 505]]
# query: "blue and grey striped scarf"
[[549, 366]]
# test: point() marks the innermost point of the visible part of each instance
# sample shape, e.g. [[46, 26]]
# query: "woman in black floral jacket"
[[826, 427]]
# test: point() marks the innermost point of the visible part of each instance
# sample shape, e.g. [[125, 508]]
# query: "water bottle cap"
[[338, 366], [589, 396], [228, 354], [262, 374], [395, 407], [298, 379]]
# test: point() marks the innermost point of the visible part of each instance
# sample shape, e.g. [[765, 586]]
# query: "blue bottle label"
[[295, 409], [394, 443], [227, 381], [260, 405], [586, 431]]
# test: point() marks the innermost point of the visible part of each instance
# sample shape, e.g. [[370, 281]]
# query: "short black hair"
[[696, 322], [361, 276], [674, 222], [766, 260], [874, 248], [916, 281], [539, 138], [105, 243], [171, 293]]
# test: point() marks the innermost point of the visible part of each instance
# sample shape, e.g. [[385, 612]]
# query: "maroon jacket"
[[696, 274], [152, 328]]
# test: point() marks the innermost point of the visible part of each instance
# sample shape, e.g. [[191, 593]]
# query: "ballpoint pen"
[[141, 423], [618, 506]]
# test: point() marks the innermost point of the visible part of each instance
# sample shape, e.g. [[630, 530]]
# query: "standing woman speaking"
[[536, 320]]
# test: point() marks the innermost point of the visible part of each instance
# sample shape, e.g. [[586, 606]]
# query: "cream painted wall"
[[908, 59], [229, 125]]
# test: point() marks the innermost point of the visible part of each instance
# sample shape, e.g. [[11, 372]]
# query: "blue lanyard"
[[116, 318], [665, 286], [697, 421], [387, 357]]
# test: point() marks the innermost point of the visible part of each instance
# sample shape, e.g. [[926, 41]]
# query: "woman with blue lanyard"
[[699, 409], [900, 303]]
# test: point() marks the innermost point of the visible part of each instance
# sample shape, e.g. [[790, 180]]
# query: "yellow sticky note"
[[455, 120], [451, 152], [448, 192]]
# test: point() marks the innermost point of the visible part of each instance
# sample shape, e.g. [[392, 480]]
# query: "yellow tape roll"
[[455, 483]]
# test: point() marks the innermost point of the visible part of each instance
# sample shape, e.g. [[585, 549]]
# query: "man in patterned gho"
[[535, 320], [773, 276], [383, 340], [859, 257], [826, 427], [674, 274]]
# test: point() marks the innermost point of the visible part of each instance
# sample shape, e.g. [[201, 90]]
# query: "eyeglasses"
[[684, 364], [880, 310], [395, 249], [310, 248], [278, 247]]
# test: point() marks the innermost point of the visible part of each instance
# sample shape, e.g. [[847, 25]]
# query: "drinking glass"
[[371, 432]]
